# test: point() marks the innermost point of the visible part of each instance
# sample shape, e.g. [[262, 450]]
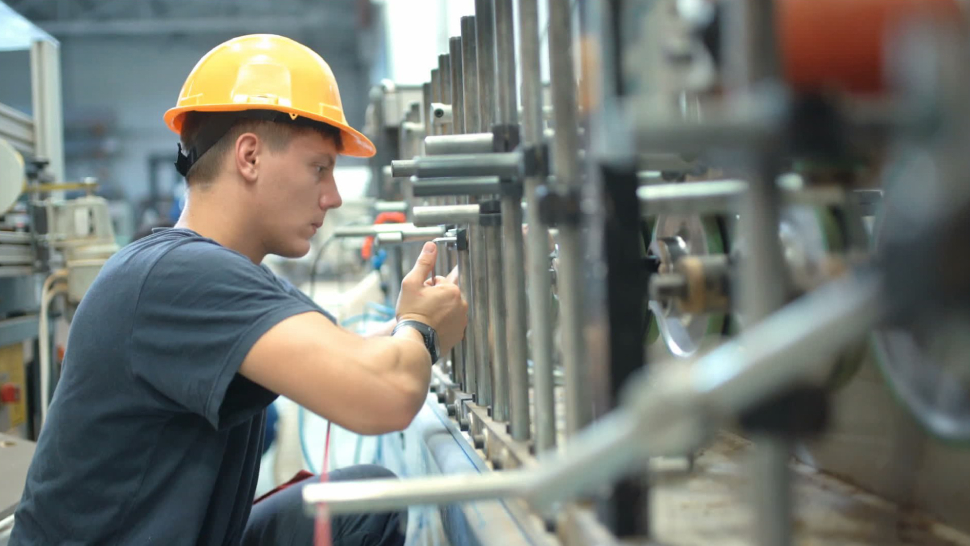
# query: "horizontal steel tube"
[[503, 165], [402, 168], [472, 143], [417, 235], [445, 214], [391, 206], [440, 187], [393, 494], [690, 197], [368, 231], [721, 196]]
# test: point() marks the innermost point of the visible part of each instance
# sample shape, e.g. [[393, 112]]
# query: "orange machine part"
[[841, 44]]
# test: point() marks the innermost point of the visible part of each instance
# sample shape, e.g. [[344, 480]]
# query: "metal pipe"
[[763, 290], [401, 168], [693, 198], [471, 143], [418, 235], [469, 61], [390, 206], [444, 90], [497, 320], [372, 230], [507, 103], [426, 99], [566, 167], [513, 253], [722, 196], [676, 406], [517, 356], [386, 495], [485, 37], [503, 165], [444, 214], [468, 355], [457, 86], [480, 185], [479, 327], [540, 282]]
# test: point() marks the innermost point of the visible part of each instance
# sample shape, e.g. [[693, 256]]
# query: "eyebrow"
[[328, 159]]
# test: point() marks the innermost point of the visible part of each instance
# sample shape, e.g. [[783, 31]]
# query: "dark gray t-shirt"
[[152, 436]]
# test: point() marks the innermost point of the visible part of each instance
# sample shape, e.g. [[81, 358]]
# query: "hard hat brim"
[[355, 144]]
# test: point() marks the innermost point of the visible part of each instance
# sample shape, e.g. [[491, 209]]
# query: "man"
[[154, 432]]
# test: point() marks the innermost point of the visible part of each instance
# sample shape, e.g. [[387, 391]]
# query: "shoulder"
[[177, 257]]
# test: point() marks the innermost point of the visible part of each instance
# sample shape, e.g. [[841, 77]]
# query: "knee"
[[366, 472], [386, 528]]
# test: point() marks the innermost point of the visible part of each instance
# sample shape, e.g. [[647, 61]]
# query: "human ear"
[[247, 150]]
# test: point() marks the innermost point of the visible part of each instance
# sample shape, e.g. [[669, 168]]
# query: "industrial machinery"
[[50, 246], [719, 291]]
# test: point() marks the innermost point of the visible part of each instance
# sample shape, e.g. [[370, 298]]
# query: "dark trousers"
[[281, 520]]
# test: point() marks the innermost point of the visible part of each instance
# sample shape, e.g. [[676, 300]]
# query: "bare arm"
[[369, 385], [366, 385]]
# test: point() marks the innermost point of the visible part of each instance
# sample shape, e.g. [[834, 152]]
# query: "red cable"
[[322, 531]]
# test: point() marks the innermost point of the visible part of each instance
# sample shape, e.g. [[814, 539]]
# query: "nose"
[[331, 198]]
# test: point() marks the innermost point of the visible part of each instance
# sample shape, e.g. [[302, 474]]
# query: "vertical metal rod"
[[540, 282], [507, 102], [468, 358], [762, 292], [457, 86], [471, 108], [444, 83], [515, 306], [496, 316], [485, 37], [513, 254], [426, 100], [469, 69], [479, 326], [467, 273], [566, 167], [445, 96]]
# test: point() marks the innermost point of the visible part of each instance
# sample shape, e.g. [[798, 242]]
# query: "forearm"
[[404, 361]]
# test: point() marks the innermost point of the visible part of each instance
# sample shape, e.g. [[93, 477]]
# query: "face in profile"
[[296, 191]]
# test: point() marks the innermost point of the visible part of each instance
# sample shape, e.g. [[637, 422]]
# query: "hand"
[[439, 306]]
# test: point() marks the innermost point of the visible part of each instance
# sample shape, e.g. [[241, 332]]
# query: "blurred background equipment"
[[714, 250]]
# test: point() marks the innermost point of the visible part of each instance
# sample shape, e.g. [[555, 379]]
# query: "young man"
[[155, 430]]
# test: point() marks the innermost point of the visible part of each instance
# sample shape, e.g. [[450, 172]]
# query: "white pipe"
[[48, 293]]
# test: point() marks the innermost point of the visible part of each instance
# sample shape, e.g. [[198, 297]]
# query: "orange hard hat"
[[267, 72]]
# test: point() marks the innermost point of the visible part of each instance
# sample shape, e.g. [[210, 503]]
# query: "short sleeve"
[[199, 312]]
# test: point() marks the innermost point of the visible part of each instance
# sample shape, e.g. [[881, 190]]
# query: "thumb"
[[422, 268]]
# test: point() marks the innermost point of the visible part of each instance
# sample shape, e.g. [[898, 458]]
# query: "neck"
[[208, 212]]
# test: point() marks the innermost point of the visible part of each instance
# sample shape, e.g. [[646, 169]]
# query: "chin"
[[294, 250]]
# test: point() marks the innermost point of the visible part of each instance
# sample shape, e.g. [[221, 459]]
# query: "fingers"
[[437, 280], [453, 276], [423, 267]]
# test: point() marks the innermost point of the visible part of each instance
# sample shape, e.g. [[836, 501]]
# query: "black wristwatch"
[[427, 332]]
